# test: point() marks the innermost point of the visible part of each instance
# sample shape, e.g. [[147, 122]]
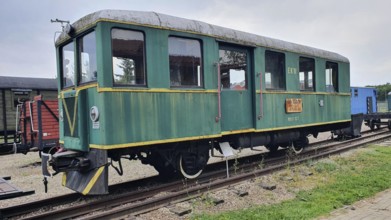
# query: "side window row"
[[275, 73], [128, 55], [185, 64]]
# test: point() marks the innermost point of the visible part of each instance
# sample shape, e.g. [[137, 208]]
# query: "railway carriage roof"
[[8, 82], [163, 21]]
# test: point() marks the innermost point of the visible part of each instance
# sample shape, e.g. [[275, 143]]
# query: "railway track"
[[141, 201]]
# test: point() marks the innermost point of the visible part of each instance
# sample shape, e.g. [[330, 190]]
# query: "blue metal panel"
[[363, 100]]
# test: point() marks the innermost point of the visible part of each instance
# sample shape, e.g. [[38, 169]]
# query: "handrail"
[[17, 118], [260, 97], [218, 92], [31, 117]]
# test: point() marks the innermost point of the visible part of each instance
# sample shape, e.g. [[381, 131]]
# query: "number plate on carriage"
[[293, 105]]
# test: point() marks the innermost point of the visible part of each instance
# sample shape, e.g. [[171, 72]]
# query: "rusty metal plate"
[[293, 105]]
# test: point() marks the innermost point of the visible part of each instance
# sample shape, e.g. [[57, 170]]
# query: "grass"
[[353, 178]]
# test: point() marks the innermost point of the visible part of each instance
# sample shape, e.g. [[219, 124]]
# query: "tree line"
[[382, 91]]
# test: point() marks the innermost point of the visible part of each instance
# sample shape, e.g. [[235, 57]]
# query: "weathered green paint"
[[334, 108], [237, 105], [139, 117], [236, 110]]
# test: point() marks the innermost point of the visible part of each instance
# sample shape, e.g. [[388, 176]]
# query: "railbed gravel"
[[25, 172]]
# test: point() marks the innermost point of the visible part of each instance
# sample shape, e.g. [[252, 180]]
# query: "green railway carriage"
[[166, 90]]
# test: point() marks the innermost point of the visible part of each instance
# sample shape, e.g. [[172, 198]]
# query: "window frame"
[[284, 72], [79, 59], [201, 78], [313, 74], [239, 49], [62, 66], [335, 87], [355, 92], [19, 93], [145, 84]]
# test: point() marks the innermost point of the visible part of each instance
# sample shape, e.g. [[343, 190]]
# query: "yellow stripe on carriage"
[[71, 123], [93, 180], [136, 144], [162, 90], [64, 179]]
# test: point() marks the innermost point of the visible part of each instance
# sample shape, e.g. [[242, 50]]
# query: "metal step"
[[7, 190]]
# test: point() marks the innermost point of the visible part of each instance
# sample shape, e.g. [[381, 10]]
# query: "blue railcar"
[[363, 103], [363, 100]]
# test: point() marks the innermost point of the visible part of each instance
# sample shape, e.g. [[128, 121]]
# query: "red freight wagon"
[[37, 125]]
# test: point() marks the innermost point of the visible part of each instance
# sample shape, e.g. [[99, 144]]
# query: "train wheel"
[[378, 124], [190, 164], [371, 125], [298, 146], [285, 145], [297, 149]]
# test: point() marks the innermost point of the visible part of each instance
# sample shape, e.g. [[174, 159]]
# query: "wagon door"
[[369, 105], [236, 87]]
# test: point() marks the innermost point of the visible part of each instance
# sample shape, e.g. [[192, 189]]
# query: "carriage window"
[[233, 65], [331, 77], [275, 70], [68, 65], [87, 56], [20, 96], [185, 62], [306, 73], [128, 53]]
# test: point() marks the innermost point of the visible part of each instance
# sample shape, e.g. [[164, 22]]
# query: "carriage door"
[[369, 105], [236, 96]]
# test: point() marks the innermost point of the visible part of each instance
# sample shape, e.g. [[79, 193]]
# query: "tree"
[[382, 91], [128, 75]]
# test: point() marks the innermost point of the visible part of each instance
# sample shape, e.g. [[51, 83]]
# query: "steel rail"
[[189, 193], [192, 188]]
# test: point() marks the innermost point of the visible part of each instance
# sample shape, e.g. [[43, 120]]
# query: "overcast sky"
[[357, 29]]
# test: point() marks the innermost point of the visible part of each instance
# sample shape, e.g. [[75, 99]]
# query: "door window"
[[331, 77], [233, 69]]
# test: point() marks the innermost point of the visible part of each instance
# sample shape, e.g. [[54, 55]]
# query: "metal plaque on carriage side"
[[95, 125], [293, 105]]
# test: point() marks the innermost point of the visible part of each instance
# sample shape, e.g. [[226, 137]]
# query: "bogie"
[[181, 160], [191, 164], [272, 148], [298, 146]]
